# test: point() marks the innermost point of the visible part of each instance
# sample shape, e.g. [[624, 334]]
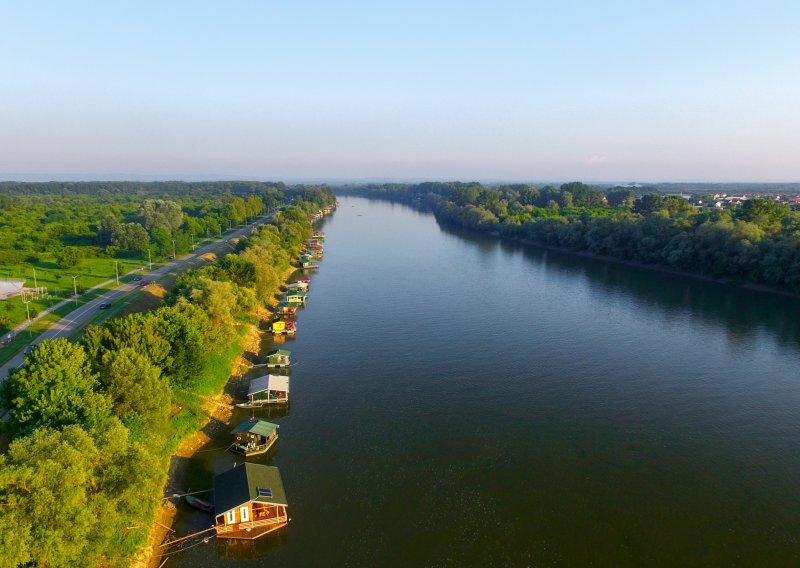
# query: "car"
[[105, 305], [144, 283], [29, 348], [137, 278]]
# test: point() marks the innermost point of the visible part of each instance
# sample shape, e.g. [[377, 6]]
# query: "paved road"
[[81, 316]]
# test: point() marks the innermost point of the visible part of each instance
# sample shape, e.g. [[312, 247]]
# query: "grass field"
[[58, 283]]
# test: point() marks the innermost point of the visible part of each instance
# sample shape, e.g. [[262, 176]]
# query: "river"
[[460, 401]]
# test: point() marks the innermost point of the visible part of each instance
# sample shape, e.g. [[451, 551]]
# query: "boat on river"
[[308, 264], [279, 359], [199, 504], [269, 389], [250, 502], [254, 437], [282, 327], [287, 308]]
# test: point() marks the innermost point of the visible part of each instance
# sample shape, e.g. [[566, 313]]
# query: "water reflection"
[[743, 312]]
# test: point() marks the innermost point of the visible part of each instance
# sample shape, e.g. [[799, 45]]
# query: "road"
[[80, 317]]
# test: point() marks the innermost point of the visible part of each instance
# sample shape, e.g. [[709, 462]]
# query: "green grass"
[[58, 281], [191, 416]]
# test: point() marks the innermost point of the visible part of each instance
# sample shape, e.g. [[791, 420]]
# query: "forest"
[[756, 242], [92, 424]]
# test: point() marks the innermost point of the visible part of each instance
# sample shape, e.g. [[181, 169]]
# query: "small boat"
[[199, 504]]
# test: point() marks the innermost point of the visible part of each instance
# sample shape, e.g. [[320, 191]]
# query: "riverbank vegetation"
[[92, 424], [756, 242]]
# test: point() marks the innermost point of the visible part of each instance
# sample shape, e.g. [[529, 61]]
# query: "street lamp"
[[28, 308], [35, 284], [149, 259], [174, 254], [75, 289], [116, 269]]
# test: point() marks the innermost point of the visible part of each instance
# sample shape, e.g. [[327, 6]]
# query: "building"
[[249, 502]]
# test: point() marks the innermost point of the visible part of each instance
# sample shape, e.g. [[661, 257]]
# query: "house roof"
[[260, 427], [283, 352], [268, 382], [248, 482]]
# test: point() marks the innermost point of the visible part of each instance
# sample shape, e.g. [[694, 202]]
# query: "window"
[[264, 491], [230, 517], [244, 514]]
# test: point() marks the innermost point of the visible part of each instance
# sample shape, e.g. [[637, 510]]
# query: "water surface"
[[460, 401]]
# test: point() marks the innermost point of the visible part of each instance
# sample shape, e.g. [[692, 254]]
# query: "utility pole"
[[174, 254], [191, 235], [75, 289], [28, 308], [116, 269], [149, 259], [35, 284]]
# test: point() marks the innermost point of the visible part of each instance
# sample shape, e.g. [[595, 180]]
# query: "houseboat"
[[278, 359], [296, 297], [282, 327], [269, 389], [287, 308], [250, 502], [318, 236], [298, 286], [254, 437], [308, 264], [304, 280]]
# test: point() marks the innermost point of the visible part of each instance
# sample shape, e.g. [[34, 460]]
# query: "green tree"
[[161, 214], [56, 387], [135, 386], [69, 257]]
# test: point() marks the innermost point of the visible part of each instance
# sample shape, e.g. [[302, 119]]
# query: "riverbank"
[[218, 410]]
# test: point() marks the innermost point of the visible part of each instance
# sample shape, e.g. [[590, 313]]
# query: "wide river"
[[460, 401]]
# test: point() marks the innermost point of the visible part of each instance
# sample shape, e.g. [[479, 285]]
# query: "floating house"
[[298, 286], [318, 236], [254, 437], [288, 308], [270, 389], [281, 327], [249, 502], [307, 263], [296, 296], [278, 359], [305, 280]]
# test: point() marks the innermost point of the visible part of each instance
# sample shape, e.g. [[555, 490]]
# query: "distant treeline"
[[116, 219], [92, 424], [758, 241]]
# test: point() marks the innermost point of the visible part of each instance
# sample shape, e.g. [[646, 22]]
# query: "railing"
[[249, 525]]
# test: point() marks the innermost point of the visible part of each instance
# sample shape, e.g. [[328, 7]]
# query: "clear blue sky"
[[287, 89]]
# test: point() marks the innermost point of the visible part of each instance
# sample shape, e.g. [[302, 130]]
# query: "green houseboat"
[[249, 502], [254, 437], [296, 296], [278, 359]]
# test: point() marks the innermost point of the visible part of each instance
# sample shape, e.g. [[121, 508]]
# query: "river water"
[[459, 401]]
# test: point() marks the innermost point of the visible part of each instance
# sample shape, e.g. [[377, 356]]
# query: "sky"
[[437, 89]]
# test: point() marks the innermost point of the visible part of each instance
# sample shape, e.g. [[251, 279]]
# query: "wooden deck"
[[252, 529]]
